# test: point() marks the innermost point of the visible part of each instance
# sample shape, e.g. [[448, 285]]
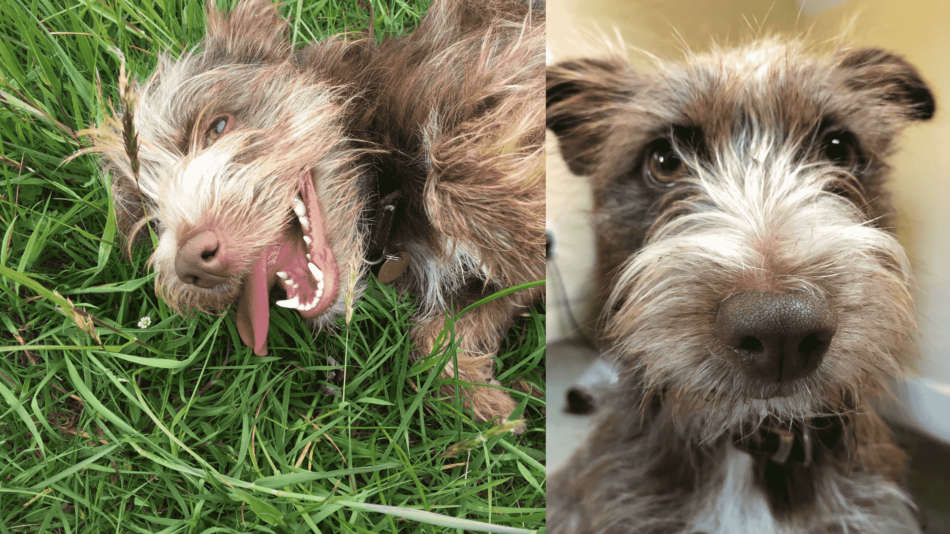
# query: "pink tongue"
[[253, 314]]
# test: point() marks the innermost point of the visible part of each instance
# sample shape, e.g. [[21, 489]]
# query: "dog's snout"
[[777, 337], [200, 261]]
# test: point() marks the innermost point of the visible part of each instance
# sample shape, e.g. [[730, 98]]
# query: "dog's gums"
[[302, 263]]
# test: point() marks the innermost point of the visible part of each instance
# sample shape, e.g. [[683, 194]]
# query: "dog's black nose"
[[199, 261], [777, 337]]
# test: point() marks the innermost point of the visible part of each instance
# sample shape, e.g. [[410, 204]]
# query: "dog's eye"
[[217, 128], [663, 165], [841, 149]]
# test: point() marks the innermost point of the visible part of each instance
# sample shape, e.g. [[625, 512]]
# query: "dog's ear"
[[582, 97], [251, 33], [876, 70]]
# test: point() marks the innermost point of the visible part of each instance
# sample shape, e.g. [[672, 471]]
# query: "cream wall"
[[917, 29]]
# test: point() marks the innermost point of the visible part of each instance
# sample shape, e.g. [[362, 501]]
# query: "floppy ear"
[[251, 33], [582, 96], [896, 80]]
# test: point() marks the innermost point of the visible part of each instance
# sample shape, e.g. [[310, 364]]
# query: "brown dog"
[[267, 170], [756, 299]]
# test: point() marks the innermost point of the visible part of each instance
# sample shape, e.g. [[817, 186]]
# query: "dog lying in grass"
[[274, 176]]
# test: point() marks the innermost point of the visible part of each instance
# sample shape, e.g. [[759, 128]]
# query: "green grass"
[[106, 427]]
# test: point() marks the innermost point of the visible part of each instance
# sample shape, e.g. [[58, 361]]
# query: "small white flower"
[[144, 322]]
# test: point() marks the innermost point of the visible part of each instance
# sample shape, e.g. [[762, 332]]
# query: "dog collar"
[[800, 442], [387, 263], [382, 227]]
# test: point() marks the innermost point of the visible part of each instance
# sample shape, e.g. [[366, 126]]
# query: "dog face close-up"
[[755, 298], [741, 198], [247, 171]]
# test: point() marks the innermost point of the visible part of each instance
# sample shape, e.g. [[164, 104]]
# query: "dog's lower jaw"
[[640, 474]]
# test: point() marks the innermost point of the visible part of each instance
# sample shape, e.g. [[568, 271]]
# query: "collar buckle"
[[797, 443], [382, 227]]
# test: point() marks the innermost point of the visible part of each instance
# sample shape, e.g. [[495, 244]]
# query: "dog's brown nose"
[[777, 337], [199, 262]]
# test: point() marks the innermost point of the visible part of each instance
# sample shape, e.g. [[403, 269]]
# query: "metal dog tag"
[[392, 268], [786, 442]]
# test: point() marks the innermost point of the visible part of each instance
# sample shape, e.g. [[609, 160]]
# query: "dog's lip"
[[321, 254], [306, 270], [292, 262], [769, 391], [292, 258]]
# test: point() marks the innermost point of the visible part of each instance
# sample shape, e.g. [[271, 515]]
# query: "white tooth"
[[320, 285], [289, 282], [307, 240], [289, 303], [308, 257], [295, 285], [305, 223], [300, 209], [319, 293], [282, 275], [315, 270]]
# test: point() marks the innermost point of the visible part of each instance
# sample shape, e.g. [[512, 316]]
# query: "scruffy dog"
[[275, 176], [756, 299]]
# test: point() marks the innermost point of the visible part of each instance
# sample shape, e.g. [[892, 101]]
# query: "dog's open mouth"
[[302, 262]]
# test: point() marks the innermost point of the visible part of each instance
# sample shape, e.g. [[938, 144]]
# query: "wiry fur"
[[465, 110], [757, 210], [453, 113]]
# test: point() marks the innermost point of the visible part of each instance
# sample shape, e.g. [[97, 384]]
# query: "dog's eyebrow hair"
[[193, 133], [690, 136], [827, 123], [188, 133], [182, 136], [194, 121]]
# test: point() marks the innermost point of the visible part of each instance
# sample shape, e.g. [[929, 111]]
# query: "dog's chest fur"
[[738, 504], [654, 481]]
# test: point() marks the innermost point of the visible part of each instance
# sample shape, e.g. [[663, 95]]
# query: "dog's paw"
[[490, 403]]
